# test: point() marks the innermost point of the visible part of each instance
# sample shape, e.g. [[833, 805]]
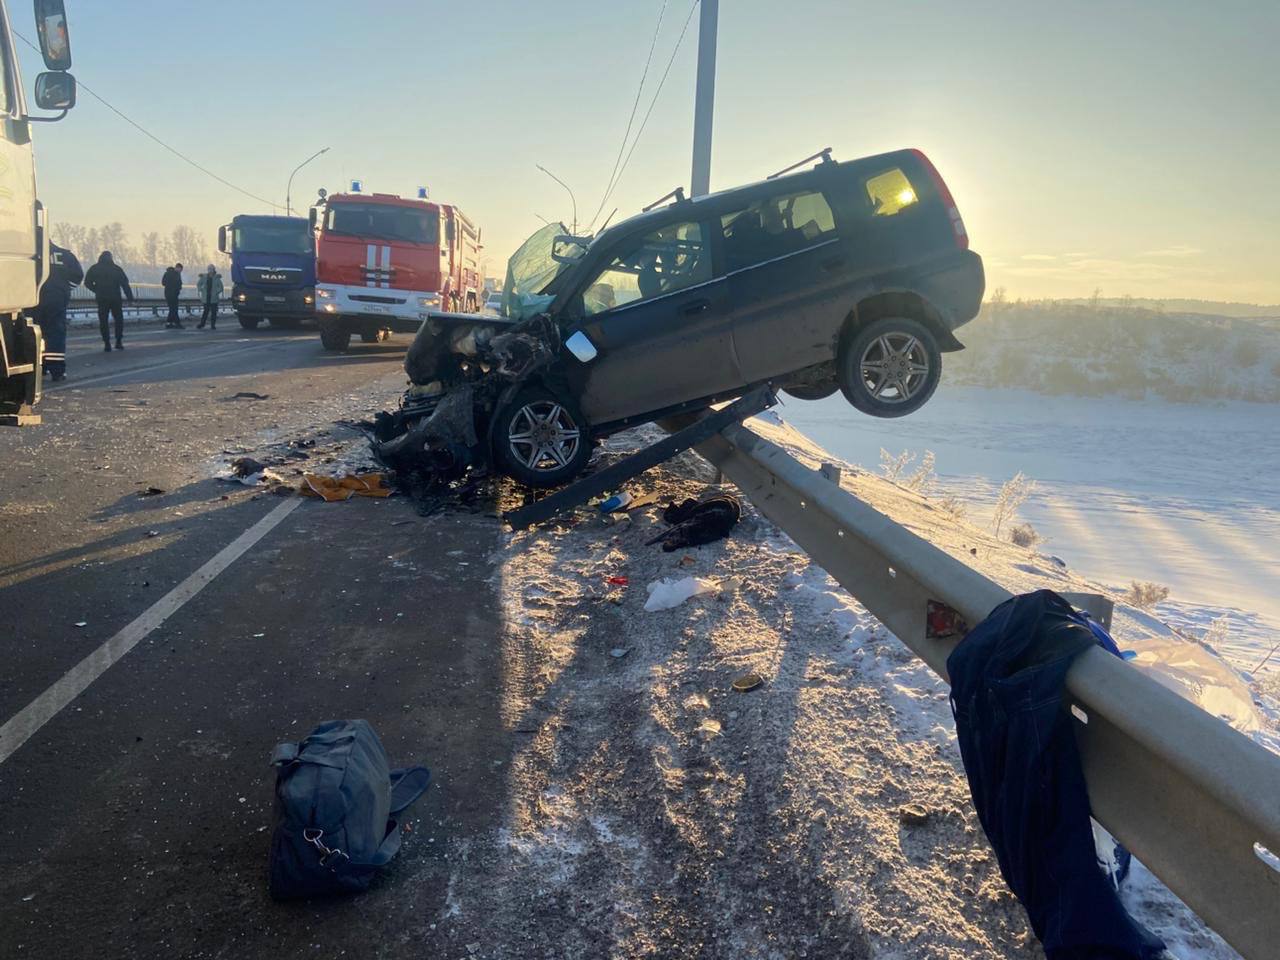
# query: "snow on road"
[[1185, 495]]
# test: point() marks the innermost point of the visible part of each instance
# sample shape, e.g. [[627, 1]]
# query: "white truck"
[[24, 247]]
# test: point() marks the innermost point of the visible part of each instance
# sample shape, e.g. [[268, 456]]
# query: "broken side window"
[[775, 227], [658, 263]]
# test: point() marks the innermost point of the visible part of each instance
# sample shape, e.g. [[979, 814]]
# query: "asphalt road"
[[134, 820]]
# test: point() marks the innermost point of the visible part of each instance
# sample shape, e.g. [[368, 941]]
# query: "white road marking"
[[73, 384], [75, 681]]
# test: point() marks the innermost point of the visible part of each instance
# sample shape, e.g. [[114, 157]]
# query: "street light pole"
[[288, 191], [572, 198], [704, 99]]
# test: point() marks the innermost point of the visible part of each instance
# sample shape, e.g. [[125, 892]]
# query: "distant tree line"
[[183, 244]]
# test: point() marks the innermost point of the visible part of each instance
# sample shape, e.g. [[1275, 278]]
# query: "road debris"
[[335, 489], [913, 814], [698, 522], [249, 395], [665, 594], [151, 492], [747, 682], [619, 501]]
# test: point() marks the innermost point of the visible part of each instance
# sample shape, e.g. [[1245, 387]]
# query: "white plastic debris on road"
[[665, 594]]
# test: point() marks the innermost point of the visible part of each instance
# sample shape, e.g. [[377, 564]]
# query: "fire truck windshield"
[[383, 221], [273, 237]]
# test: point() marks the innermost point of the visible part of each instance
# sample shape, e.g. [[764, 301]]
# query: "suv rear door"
[[658, 316], [787, 270]]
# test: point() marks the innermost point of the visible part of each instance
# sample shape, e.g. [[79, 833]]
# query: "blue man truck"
[[273, 269]]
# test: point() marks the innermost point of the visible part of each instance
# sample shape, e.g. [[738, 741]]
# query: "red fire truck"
[[383, 263]]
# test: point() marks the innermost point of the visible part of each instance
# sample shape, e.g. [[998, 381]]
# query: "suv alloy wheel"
[[890, 367]]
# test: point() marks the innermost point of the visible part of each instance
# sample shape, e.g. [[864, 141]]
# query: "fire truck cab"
[[384, 262]]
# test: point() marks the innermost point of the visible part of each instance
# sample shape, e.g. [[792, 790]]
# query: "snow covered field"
[[1185, 495]]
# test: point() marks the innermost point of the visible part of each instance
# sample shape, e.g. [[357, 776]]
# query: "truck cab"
[[384, 263], [273, 269], [24, 246]]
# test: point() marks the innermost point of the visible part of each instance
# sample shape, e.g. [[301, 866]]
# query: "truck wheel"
[[890, 367], [540, 439], [250, 323], [333, 337], [812, 391]]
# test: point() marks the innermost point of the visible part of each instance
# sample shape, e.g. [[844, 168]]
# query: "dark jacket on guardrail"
[[1020, 755], [107, 281]]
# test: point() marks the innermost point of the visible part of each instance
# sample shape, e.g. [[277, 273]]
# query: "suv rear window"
[[890, 193], [775, 227]]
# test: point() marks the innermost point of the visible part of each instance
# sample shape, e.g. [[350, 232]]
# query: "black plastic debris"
[[698, 522], [246, 466]]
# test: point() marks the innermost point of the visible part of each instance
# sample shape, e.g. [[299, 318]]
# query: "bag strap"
[[407, 785], [284, 753]]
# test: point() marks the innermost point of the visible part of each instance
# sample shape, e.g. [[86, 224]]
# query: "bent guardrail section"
[[1193, 799]]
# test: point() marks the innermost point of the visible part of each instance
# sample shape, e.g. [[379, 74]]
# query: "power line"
[[653, 102], [644, 75], [143, 130]]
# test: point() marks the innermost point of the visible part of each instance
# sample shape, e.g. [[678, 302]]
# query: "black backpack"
[[335, 798]]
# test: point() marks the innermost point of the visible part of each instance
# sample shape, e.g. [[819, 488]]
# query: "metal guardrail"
[[1197, 802], [157, 305]]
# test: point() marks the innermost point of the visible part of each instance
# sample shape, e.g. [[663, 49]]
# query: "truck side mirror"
[[312, 219], [55, 91], [55, 41], [222, 239]]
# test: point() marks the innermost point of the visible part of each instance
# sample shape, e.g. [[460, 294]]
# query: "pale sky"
[[1131, 146]]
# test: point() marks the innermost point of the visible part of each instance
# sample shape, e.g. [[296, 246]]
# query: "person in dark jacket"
[[172, 283], [209, 286], [65, 272], [110, 288]]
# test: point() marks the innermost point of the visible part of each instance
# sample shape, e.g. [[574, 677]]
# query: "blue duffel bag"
[[335, 801]]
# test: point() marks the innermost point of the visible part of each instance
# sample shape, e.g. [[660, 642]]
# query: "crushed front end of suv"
[[849, 276]]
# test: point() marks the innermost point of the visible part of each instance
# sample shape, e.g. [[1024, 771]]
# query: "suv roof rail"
[[678, 193], [823, 154]]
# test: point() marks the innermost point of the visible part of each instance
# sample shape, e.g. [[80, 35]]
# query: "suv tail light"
[[948, 202]]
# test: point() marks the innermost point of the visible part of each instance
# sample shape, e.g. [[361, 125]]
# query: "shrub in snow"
[[921, 480], [1025, 535], [1013, 495], [1143, 594]]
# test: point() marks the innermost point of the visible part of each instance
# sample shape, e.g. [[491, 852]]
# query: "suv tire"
[[890, 367], [333, 338], [540, 439]]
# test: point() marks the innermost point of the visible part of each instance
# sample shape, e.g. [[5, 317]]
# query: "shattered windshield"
[[531, 269]]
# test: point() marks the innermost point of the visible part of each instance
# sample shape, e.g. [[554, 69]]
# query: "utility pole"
[[704, 100]]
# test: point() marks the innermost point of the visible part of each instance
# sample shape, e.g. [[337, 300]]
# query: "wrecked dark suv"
[[847, 276]]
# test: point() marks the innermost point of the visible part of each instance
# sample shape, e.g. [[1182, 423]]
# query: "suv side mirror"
[[580, 345], [222, 239], [55, 91], [55, 41], [568, 249]]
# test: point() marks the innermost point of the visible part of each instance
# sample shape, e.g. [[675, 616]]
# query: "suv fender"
[[898, 303]]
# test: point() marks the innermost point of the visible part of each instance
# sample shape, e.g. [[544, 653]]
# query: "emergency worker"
[[65, 272]]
